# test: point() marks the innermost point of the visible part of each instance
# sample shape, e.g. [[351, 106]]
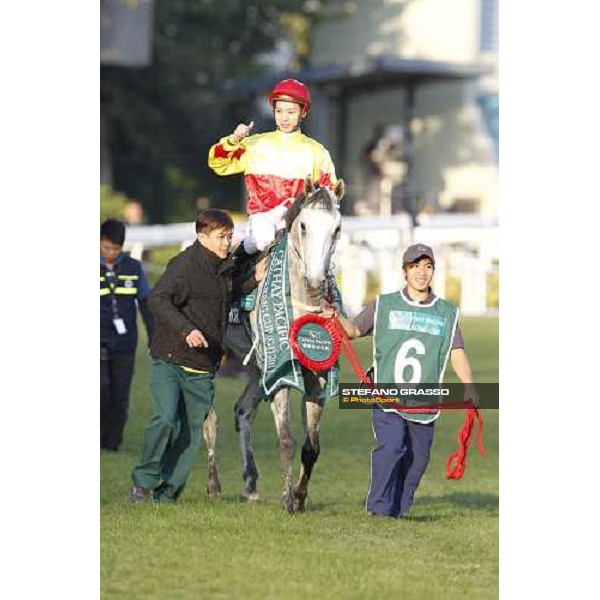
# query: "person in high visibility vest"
[[275, 164], [414, 334], [123, 288]]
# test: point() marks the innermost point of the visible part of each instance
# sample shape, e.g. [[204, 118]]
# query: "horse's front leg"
[[245, 410], [312, 410], [280, 407], [209, 431]]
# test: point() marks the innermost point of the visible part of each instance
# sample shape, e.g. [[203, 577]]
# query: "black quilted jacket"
[[194, 292]]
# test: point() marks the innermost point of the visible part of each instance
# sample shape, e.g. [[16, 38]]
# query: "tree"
[[160, 120], [112, 204]]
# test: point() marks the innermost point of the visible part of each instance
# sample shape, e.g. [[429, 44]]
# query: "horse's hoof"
[[251, 497], [299, 499], [299, 506], [214, 493]]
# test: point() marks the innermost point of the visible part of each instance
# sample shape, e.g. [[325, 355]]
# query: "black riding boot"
[[243, 261], [241, 257], [240, 253]]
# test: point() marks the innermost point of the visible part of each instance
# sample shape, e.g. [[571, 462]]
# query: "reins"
[[456, 462]]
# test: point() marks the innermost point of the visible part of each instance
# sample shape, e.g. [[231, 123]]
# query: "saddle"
[[244, 267]]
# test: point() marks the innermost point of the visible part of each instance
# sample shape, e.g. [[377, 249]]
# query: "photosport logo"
[[422, 397]]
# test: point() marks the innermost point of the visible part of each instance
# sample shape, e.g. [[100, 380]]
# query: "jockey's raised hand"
[[241, 131], [275, 163]]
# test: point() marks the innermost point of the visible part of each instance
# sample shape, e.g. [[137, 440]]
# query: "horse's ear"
[[308, 185], [340, 189]]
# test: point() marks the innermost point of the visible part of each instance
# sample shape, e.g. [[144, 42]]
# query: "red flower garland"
[[330, 325]]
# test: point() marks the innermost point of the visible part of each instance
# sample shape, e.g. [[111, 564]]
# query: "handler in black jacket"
[[190, 305]]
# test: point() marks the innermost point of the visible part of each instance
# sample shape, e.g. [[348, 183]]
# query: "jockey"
[[275, 164]]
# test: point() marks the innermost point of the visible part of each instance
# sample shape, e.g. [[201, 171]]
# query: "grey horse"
[[313, 222]]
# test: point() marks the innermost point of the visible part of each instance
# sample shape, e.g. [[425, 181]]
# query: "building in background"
[[426, 68], [126, 32], [126, 28], [454, 122]]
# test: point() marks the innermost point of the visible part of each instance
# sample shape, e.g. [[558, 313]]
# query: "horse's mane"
[[319, 198]]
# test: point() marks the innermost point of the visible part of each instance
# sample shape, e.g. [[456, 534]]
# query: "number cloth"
[[275, 358], [411, 343]]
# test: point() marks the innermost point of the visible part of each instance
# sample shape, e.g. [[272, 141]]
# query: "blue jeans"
[[397, 463]]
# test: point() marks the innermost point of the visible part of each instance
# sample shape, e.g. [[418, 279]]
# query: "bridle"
[[296, 250]]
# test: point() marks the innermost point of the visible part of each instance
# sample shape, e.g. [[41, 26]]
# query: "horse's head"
[[313, 223]]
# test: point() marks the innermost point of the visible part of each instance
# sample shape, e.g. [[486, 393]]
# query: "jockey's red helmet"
[[291, 90]]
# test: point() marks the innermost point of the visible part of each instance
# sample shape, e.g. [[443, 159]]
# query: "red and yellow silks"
[[274, 165]]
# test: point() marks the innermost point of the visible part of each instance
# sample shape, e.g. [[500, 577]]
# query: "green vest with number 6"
[[411, 343]]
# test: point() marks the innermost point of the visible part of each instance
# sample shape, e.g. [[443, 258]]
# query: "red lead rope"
[[455, 465]]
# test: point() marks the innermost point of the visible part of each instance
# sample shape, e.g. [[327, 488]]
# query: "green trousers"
[[180, 401]]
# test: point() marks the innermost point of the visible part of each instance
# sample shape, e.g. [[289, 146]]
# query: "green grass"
[[446, 548]]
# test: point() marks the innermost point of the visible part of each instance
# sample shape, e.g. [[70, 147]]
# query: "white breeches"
[[262, 227]]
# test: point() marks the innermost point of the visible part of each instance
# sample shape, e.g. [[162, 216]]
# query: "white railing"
[[466, 247]]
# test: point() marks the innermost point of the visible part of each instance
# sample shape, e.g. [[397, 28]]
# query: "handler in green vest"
[[414, 334]]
